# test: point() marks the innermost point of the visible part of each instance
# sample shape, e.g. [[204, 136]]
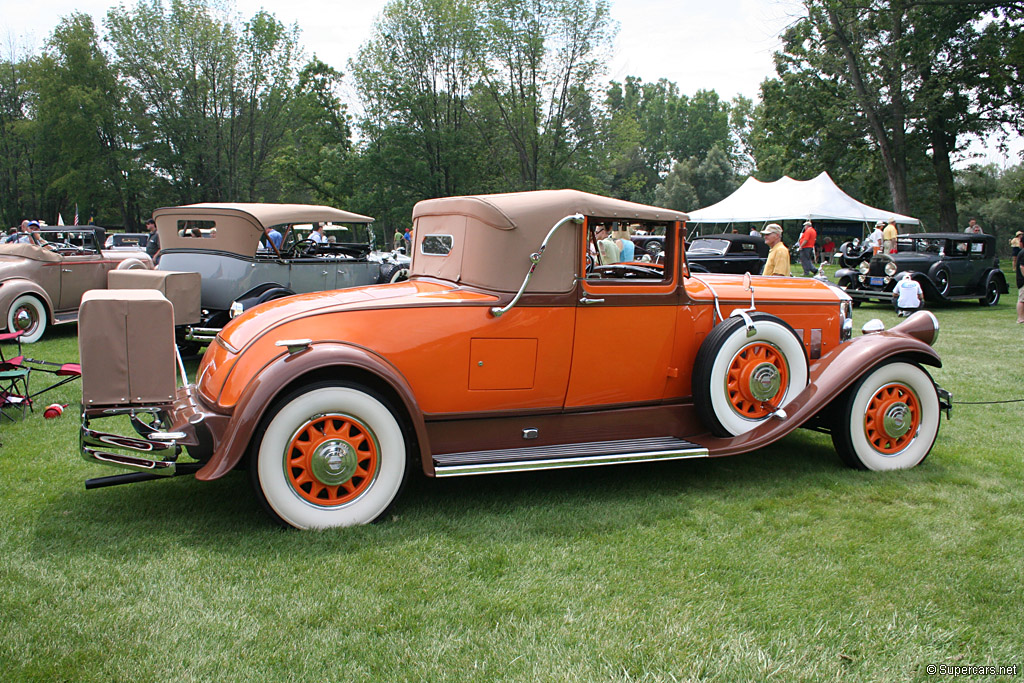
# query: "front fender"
[[15, 287], [834, 373], [319, 361]]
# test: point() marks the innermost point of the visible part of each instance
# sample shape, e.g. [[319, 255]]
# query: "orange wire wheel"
[[757, 380], [332, 460], [892, 418]]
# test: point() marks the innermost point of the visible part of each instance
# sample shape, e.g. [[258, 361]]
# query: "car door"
[[958, 264], [79, 274], [624, 330]]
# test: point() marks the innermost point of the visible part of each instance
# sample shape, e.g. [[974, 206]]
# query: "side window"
[[618, 251], [977, 250], [196, 229], [437, 245]]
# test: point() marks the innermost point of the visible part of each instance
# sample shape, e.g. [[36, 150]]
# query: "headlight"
[[890, 268], [864, 267]]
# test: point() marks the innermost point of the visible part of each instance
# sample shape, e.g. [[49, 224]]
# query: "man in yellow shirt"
[[889, 236], [778, 254]]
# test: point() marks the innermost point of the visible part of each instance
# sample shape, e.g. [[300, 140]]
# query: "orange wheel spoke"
[[331, 460]]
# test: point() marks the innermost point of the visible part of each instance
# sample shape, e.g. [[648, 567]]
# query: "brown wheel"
[[331, 455]]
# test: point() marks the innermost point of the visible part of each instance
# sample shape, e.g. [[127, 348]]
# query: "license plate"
[[877, 281]]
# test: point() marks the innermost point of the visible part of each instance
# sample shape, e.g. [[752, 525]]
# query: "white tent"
[[788, 199]]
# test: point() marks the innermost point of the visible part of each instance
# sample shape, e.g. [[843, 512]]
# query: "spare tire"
[[739, 381]]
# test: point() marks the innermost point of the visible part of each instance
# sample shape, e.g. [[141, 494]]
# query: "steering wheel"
[[627, 271], [303, 247]]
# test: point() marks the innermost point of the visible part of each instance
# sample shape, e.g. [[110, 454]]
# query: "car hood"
[[730, 288], [257, 320]]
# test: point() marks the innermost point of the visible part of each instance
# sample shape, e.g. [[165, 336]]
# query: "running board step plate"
[[567, 455]]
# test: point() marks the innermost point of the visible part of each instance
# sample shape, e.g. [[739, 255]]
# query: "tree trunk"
[[939, 139]]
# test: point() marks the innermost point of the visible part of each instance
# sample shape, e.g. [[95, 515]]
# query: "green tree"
[[207, 97], [937, 70], [86, 150]]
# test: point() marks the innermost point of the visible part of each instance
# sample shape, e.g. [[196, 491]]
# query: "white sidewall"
[[299, 512], [921, 384], [769, 332], [40, 309]]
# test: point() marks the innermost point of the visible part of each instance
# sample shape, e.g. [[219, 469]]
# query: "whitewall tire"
[[332, 455], [889, 419], [27, 313], [739, 381]]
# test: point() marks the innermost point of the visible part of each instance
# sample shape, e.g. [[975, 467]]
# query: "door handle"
[[588, 300], [66, 270]]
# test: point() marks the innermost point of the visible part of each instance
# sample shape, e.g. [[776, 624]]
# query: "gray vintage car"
[[240, 267], [43, 285]]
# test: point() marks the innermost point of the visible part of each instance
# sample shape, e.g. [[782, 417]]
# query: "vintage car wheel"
[[28, 314], [991, 297], [739, 381], [332, 455], [941, 278], [889, 419], [394, 273]]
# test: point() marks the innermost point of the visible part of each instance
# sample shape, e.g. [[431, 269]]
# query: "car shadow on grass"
[[224, 516]]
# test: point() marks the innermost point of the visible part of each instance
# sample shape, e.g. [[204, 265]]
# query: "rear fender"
[[831, 375], [287, 371], [259, 294], [1000, 279]]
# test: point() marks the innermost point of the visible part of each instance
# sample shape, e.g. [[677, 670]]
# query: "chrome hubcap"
[[897, 420], [23, 319], [765, 381], [334, 462]]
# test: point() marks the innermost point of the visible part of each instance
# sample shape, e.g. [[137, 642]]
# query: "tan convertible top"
[[239, 226], [494, 235], [29, 251]]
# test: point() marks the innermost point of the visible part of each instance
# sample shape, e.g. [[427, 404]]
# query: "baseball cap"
[[772, 228]]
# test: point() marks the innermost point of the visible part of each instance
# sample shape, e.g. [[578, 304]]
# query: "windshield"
[[719, 247]]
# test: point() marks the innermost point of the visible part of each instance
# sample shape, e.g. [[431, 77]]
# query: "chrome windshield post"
[[535, 257]]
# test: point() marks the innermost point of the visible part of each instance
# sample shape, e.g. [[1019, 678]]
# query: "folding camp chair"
[[15, 399], [19, 367]]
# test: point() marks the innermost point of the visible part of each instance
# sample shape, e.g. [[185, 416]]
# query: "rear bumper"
[[163, 431]]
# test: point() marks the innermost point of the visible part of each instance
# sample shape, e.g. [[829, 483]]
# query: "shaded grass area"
[[774, 565]]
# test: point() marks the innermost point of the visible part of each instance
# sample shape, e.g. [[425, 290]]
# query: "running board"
[[564, 456]]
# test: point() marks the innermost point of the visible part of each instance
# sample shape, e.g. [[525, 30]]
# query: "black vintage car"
[[948, 266], [727, 253]]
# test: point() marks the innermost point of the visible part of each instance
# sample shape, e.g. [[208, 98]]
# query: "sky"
[[721, 45]]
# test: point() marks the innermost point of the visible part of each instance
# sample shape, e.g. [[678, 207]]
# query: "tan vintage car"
[[518, 344], [42, 286]]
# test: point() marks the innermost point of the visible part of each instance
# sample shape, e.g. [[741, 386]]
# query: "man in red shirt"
[[806, 245]]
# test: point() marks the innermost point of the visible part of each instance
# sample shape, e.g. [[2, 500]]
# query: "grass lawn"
[[774, 565]]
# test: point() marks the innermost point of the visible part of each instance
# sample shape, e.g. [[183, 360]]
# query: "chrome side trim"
[[564, 463]]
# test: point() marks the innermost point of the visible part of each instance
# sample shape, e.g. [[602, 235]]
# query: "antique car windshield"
[[705, 246]]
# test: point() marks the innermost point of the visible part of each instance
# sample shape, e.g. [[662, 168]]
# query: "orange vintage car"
[[512, 347]]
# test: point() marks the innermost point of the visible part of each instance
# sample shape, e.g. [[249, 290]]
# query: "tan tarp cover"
[[494, 235], [126, 343], [29, 251], [181, 289], [240, 225]]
